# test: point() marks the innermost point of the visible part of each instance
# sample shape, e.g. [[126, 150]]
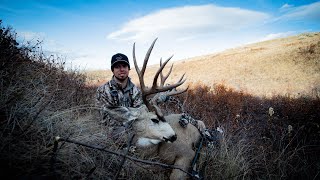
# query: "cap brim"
[[118, 61]]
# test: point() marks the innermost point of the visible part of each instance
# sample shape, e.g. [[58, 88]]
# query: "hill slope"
[[275, 67]]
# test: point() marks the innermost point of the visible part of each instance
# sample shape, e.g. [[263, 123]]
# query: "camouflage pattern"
[[185, 119], [112, 95]]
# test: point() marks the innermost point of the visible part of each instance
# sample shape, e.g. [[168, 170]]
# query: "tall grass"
[[34, 88], [40, 99], [257, 143]]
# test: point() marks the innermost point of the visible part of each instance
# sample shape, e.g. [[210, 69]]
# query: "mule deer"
[[154, 131]]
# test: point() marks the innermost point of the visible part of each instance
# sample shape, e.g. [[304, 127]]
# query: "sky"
[[86, 33]]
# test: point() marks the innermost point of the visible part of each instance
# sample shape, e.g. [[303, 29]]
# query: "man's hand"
[[201, 125]]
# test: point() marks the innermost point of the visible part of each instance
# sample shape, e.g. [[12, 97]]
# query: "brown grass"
[[39, 100], [286, 66]]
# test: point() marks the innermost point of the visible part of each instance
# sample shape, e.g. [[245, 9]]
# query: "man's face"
[[121, 71]]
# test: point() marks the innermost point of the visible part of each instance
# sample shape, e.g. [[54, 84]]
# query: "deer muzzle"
[[170, 139]]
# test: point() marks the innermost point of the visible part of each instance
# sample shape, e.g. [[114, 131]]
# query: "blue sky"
[[88, 32]]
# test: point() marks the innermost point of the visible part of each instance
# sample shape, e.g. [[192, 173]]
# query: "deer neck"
[[147, 147]]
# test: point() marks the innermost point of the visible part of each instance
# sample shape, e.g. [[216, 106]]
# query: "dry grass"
[[39, 100], [276, 67], [257, 144]]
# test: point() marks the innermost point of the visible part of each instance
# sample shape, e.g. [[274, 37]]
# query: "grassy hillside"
[[277, 67], [264, 138]]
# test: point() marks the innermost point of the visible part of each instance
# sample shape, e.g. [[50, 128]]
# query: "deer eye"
[[155, 120]]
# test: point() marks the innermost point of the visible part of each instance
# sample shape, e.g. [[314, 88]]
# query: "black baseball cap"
[[119, 58]]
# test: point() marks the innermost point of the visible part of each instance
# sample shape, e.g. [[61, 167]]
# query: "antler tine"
[[172, 86], [145, 91], [155, 88], [137, 68], [161, 75], [164, 78], [146, 59], [145, 62], [155, 79], [172, 93], [140, 75], [134, 58]]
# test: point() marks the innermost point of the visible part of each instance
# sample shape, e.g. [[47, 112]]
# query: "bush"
[[33, 88], [273, 138], [264, 138]]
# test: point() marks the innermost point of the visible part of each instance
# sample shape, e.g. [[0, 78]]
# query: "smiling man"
[[119, 92]]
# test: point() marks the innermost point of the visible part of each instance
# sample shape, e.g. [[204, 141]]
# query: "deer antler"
[[164, 78], [155, 88]]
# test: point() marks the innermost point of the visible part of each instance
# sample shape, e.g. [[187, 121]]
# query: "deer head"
[[149, 130], [155, 88]]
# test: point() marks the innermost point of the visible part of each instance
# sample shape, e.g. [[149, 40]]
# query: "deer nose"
[[173, 138]]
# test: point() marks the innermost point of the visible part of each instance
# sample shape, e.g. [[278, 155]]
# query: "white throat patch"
[[145, 142]]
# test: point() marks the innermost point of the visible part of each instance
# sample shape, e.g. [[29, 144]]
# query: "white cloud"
[[285, 7], [188, 21], [187, 31], [277, 35], [306, 12]]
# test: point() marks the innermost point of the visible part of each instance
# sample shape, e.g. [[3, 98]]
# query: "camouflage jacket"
[[111, 95]]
